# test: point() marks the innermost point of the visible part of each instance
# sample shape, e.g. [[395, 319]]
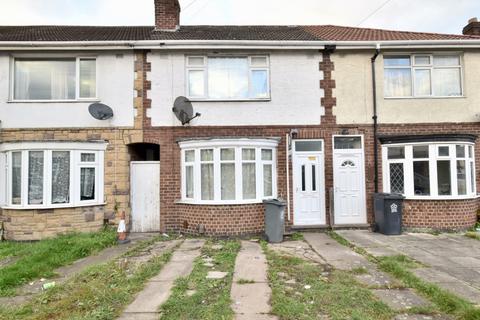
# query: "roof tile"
[[266, 33]]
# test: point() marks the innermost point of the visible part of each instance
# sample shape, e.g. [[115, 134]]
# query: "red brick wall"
[[231, 220], [440, 214], [167, 14]]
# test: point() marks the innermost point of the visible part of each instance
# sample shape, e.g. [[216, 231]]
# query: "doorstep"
[[352, 226], [310, 226]]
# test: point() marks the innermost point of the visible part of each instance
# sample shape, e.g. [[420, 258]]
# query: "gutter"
[[375, 117], [235, 44]]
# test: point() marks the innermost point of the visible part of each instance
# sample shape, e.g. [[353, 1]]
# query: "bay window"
[[52, 174], [54, 79], [423, 75], [228, 171], [227, 77], [430, 170]]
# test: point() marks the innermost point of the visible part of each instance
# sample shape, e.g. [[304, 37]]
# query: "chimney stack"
[[472, 28], [167, 15]]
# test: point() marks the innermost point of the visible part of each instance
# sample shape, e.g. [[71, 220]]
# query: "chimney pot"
[[167, 15]]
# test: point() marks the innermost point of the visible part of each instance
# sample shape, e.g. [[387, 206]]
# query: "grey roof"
[[272, 33]]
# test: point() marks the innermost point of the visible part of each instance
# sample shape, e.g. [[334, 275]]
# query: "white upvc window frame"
[[77, 58], [413, 66], [433, 179], [238, 145], [204, 67], [75, 149]]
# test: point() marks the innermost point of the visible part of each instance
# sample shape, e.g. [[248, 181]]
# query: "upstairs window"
[[422, 75], [54, 79], [228, 78]]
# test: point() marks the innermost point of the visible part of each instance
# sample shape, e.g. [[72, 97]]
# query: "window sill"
[[221, 203], [56, 101], [424, 98], [442, 198], [230, 100], [53, 206]]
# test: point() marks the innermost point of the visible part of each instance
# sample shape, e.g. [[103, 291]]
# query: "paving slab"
[[247, 298], [458, 287], [257, 317], [420, 317], [398, 300], [158, 289], [140, 316], [375, 278], [251, 300], [299, 249], [216, 275], [250, 263], [453, 260], [335, 254]]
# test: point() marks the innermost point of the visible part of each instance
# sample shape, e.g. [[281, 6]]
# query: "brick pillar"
[[142, 86], [327, 84]]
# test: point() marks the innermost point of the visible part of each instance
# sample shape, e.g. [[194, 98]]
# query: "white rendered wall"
[[115, 78], [353, 77], [294, 85]]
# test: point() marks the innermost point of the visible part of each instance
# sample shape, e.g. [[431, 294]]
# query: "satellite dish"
[[183, 110], [100, 111]]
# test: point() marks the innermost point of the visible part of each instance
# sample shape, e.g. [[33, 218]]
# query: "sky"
[[444, 16]]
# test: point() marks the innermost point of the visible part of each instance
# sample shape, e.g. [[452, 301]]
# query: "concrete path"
[[452, 261], [27, 291], [158, 289], [381, 284], [251, 301], [338, 256]]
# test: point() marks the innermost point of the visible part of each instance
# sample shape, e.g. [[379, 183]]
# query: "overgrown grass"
[[316, 292], [100, 292], [245, 281], [12, 248], [296, 236], [400, 267], [473, 234], [208, 299], [40, 259]]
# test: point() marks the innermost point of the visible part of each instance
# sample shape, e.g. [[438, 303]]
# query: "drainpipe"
[[375, 117], [287, 142]]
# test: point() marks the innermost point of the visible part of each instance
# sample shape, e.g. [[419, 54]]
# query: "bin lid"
[[390, 196], [276, 202]]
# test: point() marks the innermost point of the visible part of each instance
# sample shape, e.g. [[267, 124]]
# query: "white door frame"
[[153, 223], [363, 182], [321, 180]]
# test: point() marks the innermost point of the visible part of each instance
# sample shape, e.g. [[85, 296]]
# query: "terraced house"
[[321, 116]]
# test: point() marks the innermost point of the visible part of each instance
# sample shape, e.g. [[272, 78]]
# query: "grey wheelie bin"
[[274, 220], [388, 213]]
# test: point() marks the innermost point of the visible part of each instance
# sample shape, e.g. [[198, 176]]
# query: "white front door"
[[145, 196], [308, 183], [349, 181]]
